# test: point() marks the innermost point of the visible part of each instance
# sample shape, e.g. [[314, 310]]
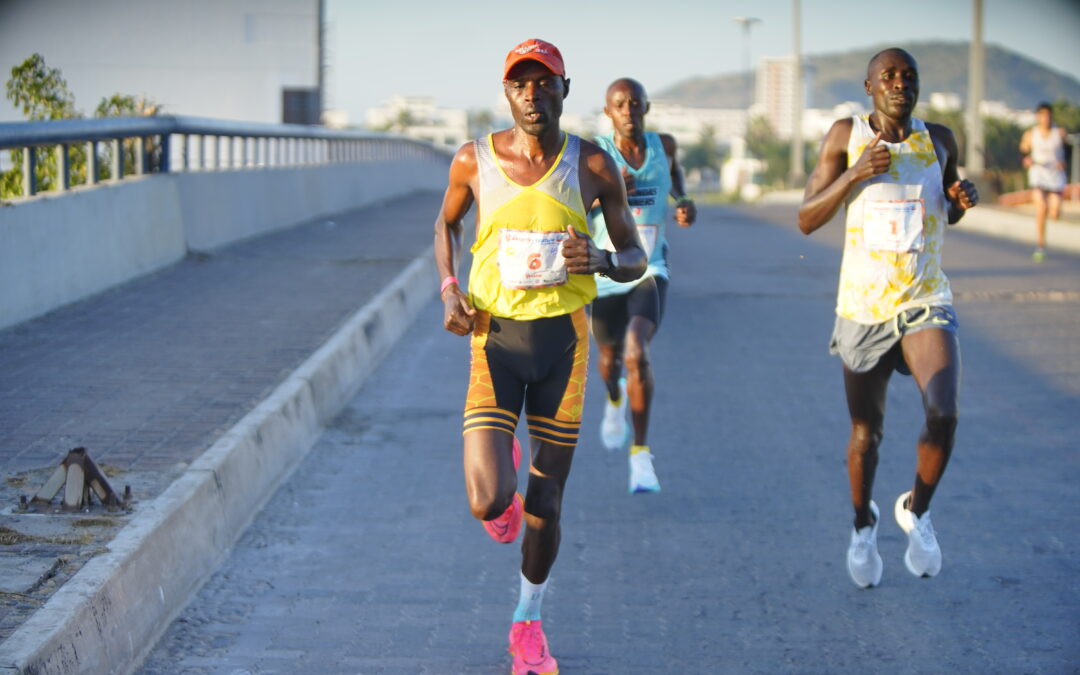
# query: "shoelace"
[[925, 529], [863, 538], [532, 642]]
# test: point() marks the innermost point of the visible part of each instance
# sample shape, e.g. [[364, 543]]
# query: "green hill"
[[1010, 77]]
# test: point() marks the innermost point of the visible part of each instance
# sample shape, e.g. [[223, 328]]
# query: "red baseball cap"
[[535, 50]]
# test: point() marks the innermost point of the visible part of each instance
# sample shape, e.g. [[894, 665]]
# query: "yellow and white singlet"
[[518, 271], [895, 230]]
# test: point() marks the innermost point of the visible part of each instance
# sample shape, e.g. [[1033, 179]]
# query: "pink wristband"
[[446, 282]]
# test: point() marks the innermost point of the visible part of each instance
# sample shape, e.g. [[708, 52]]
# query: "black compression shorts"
[[611, 314], [540, 364]]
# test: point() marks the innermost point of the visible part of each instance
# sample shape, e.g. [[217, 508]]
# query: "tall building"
[[773, 92], [248, 60]]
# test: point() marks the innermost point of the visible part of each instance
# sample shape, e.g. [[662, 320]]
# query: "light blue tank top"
[[648, 204]]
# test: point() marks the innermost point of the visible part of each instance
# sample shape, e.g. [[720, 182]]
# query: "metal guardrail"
[[172, 143]]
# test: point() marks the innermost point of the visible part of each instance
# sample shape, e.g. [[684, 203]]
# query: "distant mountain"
[[1010, 77]]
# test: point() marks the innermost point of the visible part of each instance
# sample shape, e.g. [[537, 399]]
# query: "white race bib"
[[529, 259], [648, 234], [895, 226]]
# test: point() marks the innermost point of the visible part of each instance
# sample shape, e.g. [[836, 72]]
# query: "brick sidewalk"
[[148, 375]]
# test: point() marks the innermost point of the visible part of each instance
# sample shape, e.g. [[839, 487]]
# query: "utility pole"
[[797, 173], [976, 66]]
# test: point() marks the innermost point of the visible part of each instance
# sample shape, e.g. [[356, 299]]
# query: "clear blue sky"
[[454, 50]]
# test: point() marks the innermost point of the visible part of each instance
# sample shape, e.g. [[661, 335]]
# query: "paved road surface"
[[367, 560]]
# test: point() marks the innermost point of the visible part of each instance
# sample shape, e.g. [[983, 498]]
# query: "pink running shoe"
[[529, 646], [506, 527]]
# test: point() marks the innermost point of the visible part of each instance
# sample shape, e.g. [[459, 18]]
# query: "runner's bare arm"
[[600, 179], [961, 194], [458, 313], [832, 179], [1025, 149], [685, 209]]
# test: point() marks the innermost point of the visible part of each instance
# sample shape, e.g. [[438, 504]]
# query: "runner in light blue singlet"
[[626, 316], [649, 204]]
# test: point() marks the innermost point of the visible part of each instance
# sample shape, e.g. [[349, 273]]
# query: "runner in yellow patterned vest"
[[531, 277], [896, 178]]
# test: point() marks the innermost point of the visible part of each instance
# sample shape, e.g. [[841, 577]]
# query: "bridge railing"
[[177, 143]]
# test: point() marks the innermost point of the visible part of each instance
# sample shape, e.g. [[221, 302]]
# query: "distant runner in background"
[[1043, 147], [896, 178], [626, 316]]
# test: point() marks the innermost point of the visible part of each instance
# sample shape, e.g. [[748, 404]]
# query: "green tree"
[[1066, 115], [41, 93], [120, 105], [762, 143], [1001, 154], [705, 153]]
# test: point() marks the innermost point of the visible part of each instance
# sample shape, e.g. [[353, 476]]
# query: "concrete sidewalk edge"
[[107, 617]]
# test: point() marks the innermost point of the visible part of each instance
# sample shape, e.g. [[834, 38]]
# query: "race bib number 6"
[[895, 226], [529, 259]]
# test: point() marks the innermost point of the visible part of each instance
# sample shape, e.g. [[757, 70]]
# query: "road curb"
[[107, 616], [1020, 228]]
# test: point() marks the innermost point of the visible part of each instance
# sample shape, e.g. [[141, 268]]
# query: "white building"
[[945, 100], [688, 124], [418, 117], [773, 91], [241, 59], [816, 122]]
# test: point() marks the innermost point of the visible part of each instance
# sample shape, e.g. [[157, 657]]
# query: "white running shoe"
[[923, 556], [614, 429], [642, 475], [863, 561]]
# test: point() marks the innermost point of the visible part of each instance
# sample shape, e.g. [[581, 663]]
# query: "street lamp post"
[[797, 172], [976, 80], [747, 22]]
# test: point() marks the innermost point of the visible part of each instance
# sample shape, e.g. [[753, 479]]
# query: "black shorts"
[[611, 314], [539, 364]]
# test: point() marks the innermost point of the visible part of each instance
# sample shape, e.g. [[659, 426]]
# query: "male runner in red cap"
[[531, 277]]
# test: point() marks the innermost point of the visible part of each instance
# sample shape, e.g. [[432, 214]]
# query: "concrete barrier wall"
[[57, 249], [220, 208]]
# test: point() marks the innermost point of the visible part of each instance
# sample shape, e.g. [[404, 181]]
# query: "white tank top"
[[895, 230], [1046, 152]]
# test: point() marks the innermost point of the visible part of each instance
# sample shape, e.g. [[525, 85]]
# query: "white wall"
[[56, 249], [209, 58]]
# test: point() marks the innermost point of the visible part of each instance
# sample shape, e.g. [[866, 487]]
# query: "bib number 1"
[[894, 226]]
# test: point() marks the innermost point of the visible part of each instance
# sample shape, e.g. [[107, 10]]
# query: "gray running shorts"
[[861, 346]]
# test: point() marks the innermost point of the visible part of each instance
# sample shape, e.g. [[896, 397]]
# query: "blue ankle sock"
[[528, 608]]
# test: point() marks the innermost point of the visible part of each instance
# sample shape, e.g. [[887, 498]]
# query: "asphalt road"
[[367, 560]]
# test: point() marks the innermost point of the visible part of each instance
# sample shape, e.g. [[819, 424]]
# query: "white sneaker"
[[863, 561], [614, 429], [642, 476], [923, 556]]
